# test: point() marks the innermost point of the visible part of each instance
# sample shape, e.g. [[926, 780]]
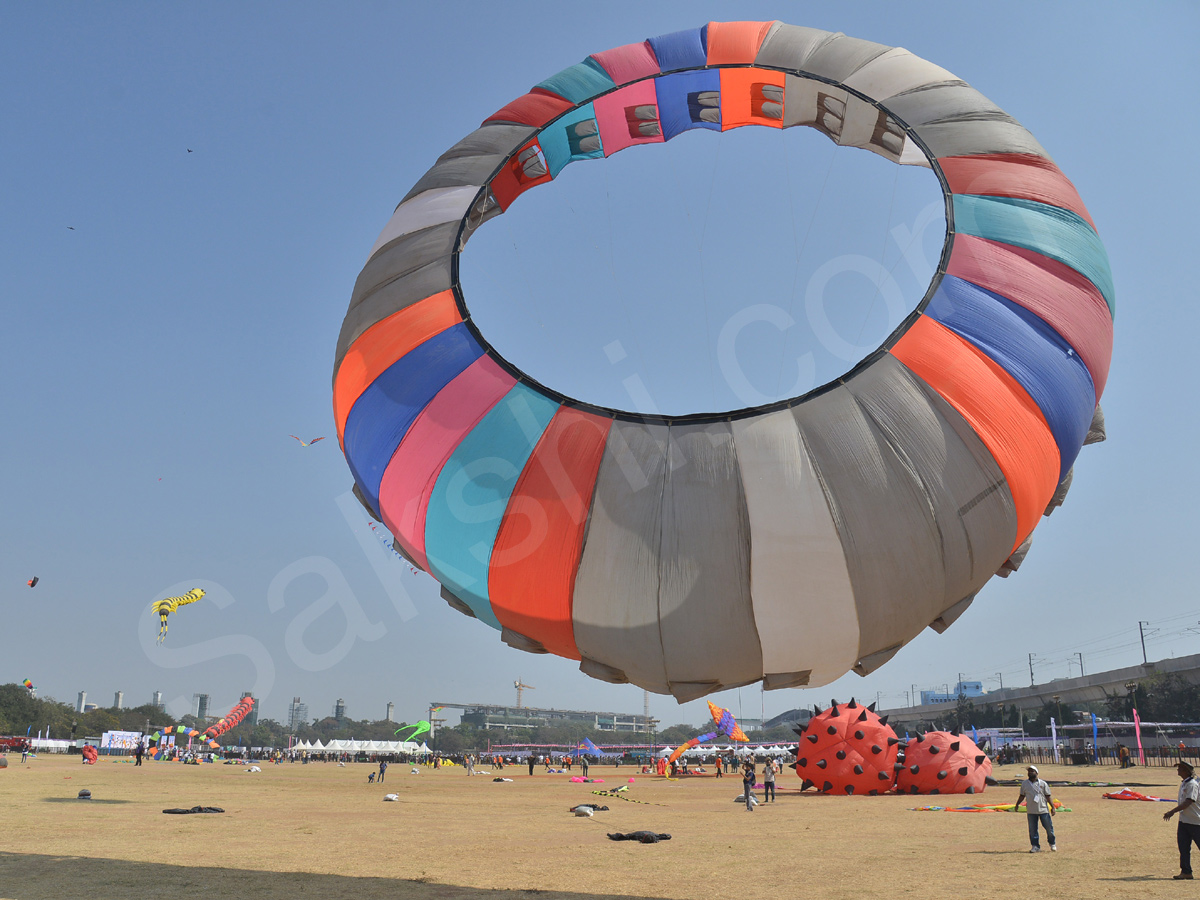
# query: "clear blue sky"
[[170, 318]]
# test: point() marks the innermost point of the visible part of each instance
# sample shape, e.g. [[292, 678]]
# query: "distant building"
[[391, 712], [339, 709], [963, 689], [81, 702], [119, 700], [483, 715], [297, 714], [156, 701], [791, 719], [201, 706]]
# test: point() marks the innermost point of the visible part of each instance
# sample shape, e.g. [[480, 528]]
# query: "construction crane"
[[521, 688]]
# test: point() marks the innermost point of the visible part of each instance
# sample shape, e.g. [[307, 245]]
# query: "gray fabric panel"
[[615, 603], [842, 57], [950, 616], [971, 137], [404, 291], [790, 46], [706, 615], [410, 268], [883, 516], [402, 256], [944, 102], [1060, 493], [489, 140], [456, 173], [473, 159], [1096, 431], [972, 508], [1018, 556]]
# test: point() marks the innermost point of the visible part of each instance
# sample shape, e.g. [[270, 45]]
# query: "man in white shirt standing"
[[1035, 794], [1189, 818]]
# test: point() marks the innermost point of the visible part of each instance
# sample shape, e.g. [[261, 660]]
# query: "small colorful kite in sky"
[[727, 726], [419, 728], [168, 605], [32, 582], [310, 443], [28, 685]]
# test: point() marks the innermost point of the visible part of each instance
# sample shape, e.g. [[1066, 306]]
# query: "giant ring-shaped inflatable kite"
[[786, 543]]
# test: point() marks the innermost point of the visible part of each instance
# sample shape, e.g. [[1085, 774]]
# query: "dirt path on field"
[[321, 830]]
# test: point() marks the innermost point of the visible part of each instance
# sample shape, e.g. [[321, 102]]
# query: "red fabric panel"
[[1066, 300], [741, 101], [733, 43], [1013, 175], [1005, 417], [628, 63], [535, 108], [384, 343], [536, 555], [511, 182]]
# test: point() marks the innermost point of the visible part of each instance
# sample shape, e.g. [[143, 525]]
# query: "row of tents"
[[363, 747]]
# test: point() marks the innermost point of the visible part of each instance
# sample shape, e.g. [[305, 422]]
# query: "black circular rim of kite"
[[742, 412]]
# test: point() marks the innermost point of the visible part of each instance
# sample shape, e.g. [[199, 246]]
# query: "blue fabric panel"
[[1050, 230], [681, 49], [383, 414], [578, 83], [473, 490], [556, 143], [675, 113], [1028, 349]]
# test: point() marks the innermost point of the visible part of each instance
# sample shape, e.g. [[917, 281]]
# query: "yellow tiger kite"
[[168, 605]]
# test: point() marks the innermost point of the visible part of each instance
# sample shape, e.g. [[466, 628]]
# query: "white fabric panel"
[[894, 73], [799, 584], [615, 603], [789, 46], [841, 57], [913, 155], [434, 207], [945, 103]]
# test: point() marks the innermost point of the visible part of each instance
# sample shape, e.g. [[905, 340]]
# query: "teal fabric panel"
[[578, 83], [560, 142], [1050, 230], [473, 490]]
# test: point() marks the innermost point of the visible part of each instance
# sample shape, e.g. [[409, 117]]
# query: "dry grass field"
[[322, 831]]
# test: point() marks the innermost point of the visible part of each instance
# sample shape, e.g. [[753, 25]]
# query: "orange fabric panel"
[[384, 343], [1005, 417], [741, 97], [536, 555], [734, 43]]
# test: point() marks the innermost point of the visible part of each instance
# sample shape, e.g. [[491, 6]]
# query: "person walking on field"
[[769, 782], [531, 762], [1188, 808], [382, 770], [583, 764], [1039, 806]]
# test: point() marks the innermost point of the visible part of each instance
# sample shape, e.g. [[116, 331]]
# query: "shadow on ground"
[[39, 877]]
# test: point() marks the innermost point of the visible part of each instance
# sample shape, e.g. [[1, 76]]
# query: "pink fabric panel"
[[628, 63], [1013, 175], [610, 115], [1055, 292], [413, 470]]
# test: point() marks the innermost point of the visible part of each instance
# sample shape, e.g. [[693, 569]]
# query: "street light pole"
[[1080, 655], [1031, 670], [1143, 635]]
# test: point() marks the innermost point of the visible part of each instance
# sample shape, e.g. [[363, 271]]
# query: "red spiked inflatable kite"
[[942, 762], [849, 750]]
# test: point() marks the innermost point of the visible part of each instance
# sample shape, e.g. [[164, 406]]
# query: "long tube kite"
[[168, 605], [870, 508], [727, 727]]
